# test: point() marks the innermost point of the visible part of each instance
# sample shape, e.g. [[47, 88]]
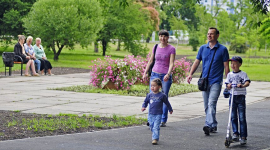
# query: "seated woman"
[[30, 51], [19, 50], [40, 54]]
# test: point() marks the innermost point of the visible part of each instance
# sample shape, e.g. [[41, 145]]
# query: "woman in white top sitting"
[[30, 51]]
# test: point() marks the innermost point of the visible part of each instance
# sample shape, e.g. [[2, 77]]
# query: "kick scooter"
[[229, 140]]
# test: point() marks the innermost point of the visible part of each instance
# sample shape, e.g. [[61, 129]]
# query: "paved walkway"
[[33, 95], [181, 135]]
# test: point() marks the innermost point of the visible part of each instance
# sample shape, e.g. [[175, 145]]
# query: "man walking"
[[215, 78]]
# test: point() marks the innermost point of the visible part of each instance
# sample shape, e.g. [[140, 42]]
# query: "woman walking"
[[162, 69]]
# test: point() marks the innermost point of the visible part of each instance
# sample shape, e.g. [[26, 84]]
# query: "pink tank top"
[[162, 56]]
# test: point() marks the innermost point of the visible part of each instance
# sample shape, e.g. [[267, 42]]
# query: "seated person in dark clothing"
[[20, 51]]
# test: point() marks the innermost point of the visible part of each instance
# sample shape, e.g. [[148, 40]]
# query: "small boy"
[[156, 100], [241, 80]]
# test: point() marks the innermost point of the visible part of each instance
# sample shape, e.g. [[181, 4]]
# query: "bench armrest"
[[19, 58]]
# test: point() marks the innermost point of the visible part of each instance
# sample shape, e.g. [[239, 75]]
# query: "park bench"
[[8, 59]]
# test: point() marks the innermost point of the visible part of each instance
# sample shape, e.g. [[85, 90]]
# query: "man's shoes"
[[235, 137], [154, 142], [213, 130], [243, 141], [206, 130], [163, 124]]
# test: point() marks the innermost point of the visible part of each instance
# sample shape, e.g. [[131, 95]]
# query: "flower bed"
[[124, 73]]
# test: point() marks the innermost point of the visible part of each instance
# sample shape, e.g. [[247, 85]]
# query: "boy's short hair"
[[236, 58]]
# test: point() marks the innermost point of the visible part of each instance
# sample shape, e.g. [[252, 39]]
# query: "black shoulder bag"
[[152, 64], [203, 82]]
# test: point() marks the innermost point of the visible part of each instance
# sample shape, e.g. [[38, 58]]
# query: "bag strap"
[[210, 64], [155, 53]]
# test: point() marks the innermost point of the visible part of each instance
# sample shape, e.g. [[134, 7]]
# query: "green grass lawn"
[[257, 72], [136, 90]]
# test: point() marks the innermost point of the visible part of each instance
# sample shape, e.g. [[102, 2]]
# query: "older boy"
[[241, 80]]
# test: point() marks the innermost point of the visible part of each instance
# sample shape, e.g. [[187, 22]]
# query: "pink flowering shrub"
[[125, 72], [180, 69], [122, 72]]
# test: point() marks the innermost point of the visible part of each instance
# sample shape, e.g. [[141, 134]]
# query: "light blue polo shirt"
[[205, 54]]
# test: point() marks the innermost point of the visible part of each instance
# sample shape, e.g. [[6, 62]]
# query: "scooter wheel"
[[227, 143]]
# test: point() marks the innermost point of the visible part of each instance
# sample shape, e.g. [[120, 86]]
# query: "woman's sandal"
[[36, 75], [27, 75]]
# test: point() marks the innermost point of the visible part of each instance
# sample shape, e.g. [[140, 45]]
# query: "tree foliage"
[[11, 14], [62, 23], [127, 24]]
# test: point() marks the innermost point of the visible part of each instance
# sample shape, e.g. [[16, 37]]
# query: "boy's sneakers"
[[206, 130], [235, 137], [243, 141], [163, 124], [154, 142]]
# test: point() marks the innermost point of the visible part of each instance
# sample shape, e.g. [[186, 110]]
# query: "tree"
[[125, 23], [64, 22], [11, 14], [264, 29], [226, 26]]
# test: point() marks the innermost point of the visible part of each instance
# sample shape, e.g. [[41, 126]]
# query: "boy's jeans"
[[239, 105], [210, 102], [38, 64], [154, 124], [165, 87]]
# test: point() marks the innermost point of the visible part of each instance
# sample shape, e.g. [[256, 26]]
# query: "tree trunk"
[[96, 47], [60, 47], [104, 47], [118, 45], [55, 58]]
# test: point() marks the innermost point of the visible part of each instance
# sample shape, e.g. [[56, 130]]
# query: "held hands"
[[143, 109], [27, 57], [171, 112]]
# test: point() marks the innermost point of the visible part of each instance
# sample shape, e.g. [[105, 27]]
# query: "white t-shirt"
[[237, 78]]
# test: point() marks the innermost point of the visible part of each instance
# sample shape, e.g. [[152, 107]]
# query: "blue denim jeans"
[[154, 124], [239, 109], [38, 64], [165, 88], [210, 98]]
